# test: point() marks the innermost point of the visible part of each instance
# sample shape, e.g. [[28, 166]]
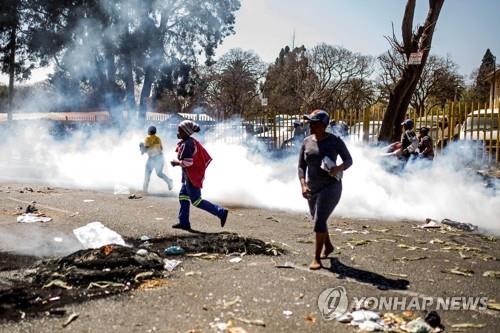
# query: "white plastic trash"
[[95, 234], [120, 189], [170, 265], [32, 218]]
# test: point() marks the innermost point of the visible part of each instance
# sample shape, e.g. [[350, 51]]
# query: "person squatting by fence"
[[425, 145], [153, 147], [194, 160], [320, 178]]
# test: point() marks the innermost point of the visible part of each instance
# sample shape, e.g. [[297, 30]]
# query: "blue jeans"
[[192, 195]]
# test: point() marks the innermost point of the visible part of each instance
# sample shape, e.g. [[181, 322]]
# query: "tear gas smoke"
[[240, 176]]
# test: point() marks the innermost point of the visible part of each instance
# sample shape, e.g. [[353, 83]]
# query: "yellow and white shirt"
[[153, 145]]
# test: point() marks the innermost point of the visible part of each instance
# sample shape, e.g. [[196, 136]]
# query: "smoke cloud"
[[242, 176]]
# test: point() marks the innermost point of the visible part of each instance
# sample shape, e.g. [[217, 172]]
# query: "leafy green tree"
[[481, 88]]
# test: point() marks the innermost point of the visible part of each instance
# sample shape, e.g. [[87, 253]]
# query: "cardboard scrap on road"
[[459, 271]]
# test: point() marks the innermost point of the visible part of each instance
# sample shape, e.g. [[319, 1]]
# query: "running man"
[[153, 147]]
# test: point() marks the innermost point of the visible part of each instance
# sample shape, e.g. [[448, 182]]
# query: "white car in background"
[[357, 131], [481, 127]]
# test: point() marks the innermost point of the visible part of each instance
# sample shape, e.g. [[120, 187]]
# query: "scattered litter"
[[236, 260], [31, 208], [417, 326], [468, 325], [159, 218], [381, 230], [55, 298], [134, 196], [143, 276], [33, 218], [287, 313], [311, 318], [221, 327], [359, 316], [58, 239], [236, 330], [57, 283], [460, 225], [95, 235], [430, 223], [370, 326], [459, 271], [463, 256], [398, 275], [104, 284], [347, 232], [120, 189], [432, 318], [493, 306], [154, 283], [436, 241], [170, 265], [272, 218], [193, 273], [489, 238], [228, 304], [304, 241], [209, 257], [394, 319], [142, 252], [88, 200], [357, 242], [409, 258], [144, 238], [345, 318], [174, 250], [411, 248], [199, 254], [57, 312], [70, 319], [493, 274], [387, 240], [286, 265], [255, 322]]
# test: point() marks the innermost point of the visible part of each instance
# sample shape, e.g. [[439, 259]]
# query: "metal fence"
[[469, 122]]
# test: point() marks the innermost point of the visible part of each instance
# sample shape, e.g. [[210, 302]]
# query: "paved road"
[[367, 262]]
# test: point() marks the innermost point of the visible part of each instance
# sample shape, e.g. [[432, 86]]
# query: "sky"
[[465, 29]]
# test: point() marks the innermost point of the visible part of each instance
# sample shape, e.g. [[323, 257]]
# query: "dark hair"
[[151, 130]]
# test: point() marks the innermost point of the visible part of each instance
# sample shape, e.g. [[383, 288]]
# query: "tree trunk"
[[400, 96], [146, 92], [12, 65], [110, 87], [129, 86]]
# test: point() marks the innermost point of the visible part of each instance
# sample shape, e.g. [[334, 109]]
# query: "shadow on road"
[[379, 281]]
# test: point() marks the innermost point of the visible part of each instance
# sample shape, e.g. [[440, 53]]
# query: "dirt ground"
[[372, 258]]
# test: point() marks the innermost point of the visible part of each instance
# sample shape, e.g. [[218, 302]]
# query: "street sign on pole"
[[263, 101]]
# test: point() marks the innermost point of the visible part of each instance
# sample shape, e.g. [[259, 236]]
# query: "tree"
[[440, 80], [338, 70], [289, 81], [481, 88], [15, 60], [112, 46], [233, 82], [416, 42]]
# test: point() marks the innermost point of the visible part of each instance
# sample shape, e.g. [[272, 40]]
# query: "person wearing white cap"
[[194, 160]]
